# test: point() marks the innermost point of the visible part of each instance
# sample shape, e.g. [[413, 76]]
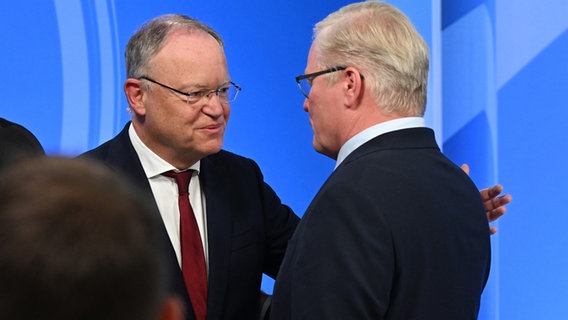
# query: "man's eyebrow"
[[201, 86]]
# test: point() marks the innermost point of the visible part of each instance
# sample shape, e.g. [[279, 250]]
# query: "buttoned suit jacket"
[[396, 232], [248, 227]]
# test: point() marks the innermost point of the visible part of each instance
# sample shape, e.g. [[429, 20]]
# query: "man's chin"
[[214, 147]]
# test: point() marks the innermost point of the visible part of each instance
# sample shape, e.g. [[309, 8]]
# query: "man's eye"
[[197, 94], [223, 91]]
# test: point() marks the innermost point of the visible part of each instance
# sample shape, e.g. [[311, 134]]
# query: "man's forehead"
[[312, 58]]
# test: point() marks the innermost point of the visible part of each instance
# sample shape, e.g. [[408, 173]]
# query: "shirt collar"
[[370, 133], [152, 163]]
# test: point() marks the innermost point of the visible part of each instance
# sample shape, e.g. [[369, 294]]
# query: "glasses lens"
[[305, 87], [230, 94]]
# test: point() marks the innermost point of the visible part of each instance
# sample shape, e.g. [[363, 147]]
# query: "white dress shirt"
[[165, 192]]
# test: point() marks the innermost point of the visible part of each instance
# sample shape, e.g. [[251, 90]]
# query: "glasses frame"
[[311, 76], [195, 93]]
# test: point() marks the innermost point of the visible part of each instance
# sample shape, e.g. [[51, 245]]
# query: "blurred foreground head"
[[76, 242]]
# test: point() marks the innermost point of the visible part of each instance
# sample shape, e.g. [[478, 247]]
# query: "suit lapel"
[[122, 157], [219, 200]]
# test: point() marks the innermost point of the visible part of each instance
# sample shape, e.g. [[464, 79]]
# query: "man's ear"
[[133, 88], [171, 309], [354, 87]]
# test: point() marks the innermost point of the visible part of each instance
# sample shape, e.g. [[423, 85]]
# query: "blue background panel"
[[498, 103], [30, 62], [532, 155]]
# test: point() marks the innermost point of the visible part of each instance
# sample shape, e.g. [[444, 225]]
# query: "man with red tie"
[[179, 92]]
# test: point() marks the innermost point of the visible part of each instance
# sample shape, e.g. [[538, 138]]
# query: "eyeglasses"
[[226, 93], [305, 81]]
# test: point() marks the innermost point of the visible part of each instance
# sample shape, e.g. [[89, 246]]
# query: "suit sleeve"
[[279, 225]]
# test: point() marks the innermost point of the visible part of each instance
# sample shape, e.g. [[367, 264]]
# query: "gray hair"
[[152, 35], [382, 43]]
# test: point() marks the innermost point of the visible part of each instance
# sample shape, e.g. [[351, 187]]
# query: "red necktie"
[[192, 257]]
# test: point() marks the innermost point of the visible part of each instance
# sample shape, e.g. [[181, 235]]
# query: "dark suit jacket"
[[17, 143], [396, 232], [248, 227]]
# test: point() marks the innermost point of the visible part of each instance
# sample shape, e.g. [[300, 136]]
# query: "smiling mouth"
[[213, 127]]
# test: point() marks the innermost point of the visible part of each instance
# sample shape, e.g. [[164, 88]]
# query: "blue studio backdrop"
[[497, 101]]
